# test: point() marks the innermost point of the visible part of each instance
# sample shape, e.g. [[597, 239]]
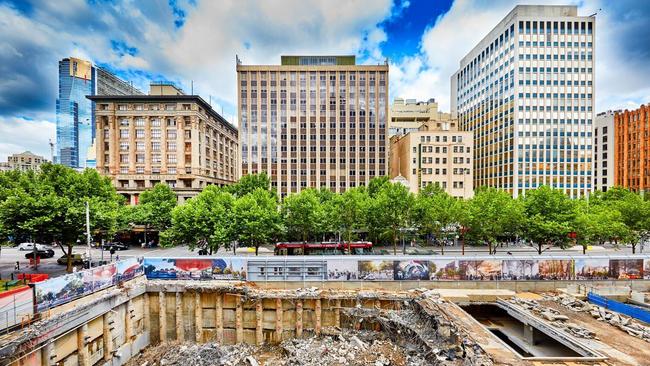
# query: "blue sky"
[[184, 40]]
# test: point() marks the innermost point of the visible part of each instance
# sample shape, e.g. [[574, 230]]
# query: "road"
[[9, 256]]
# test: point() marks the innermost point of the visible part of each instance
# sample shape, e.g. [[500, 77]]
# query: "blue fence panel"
[[620, 307]]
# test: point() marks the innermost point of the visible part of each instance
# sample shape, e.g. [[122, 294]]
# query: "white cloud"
[[20, 134], [620, 82]]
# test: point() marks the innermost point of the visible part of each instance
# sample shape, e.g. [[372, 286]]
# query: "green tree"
[[249, 183], [49, 206], [350, 209], [205, 221], [257, 220], [599, 222], [154, 208], [390, 211], [301, 213], [550, 217], [434, 210], [635, 213], [490, 214]]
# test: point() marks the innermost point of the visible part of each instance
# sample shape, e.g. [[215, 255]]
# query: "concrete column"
[[180, 330], [162, 316], [239, 326], [198, 312], [108, 337], [128, 322], [278, 320], [529, 334], [259, 313], [146, 313], [82, 349], [48, 355], [318, 311], [337, 313], [218, 314], [299, 318]]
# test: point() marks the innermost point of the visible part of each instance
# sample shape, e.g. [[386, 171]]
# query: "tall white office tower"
[[527, 92]]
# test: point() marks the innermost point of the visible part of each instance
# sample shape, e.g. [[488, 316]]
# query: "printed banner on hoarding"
[[59, 290], [592, 268], [472, 270], [555, 269], [342, 270], [519, 269], [129, 268], [376, 270], [411, 270], [443, 269], [626, 269], [227, 268]]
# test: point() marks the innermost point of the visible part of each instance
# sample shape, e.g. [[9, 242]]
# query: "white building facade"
[[527, 92], [604, 166]]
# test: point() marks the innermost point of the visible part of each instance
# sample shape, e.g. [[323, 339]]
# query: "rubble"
[[624, 323], [554, 317], [347, 348]]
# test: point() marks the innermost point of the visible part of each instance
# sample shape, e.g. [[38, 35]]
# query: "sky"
[[193, 40]]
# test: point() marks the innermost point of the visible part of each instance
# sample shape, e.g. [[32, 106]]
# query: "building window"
[[124, 158], [156, 133], [139, 170], [171, 145], [124, 146], [139, 158], [139, 134], [124, 170], [139, 146], [121, 107], [155, 146], [171, 158]]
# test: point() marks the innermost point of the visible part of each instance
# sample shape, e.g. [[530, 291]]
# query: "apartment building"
[[407, 115], [313, 121], [632, 149], [434, 154], [604, 164], [166, 137], [527, 92], [24, 161]]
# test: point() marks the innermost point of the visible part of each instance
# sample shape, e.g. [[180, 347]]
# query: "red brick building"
[[631, 149]]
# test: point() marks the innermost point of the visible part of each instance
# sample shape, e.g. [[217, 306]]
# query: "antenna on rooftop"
[[52, 150], [192, 87], [596, 13]]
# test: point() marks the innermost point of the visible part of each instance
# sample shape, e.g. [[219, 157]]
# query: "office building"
[[604, 164], [434, 154], [407, 115], [164, 137], [526, 91], [632, 149], [75, 124], [313, 121], [25, 161]]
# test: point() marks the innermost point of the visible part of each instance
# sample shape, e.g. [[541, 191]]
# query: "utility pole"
[[90, 263]]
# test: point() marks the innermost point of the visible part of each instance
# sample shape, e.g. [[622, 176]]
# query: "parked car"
[[43, 253], [115, 245], [30, 246], [76, 259]]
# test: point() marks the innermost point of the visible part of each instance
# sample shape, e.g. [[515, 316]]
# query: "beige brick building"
[[407, 115], [434, 154], [313, 121], [24, 161], [166, 137]]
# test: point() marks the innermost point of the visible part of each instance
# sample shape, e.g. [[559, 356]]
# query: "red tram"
[[323, 248]]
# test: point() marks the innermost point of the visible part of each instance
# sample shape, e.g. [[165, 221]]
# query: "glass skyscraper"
[[75, 118], [74, 113]]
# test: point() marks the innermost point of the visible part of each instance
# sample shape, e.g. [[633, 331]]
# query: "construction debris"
[[624, 323], [554, 317]]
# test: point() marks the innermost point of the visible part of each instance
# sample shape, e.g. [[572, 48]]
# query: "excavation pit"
[[527, 335]]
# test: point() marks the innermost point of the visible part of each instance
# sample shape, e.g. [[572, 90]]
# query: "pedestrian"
[[17, 266], [117, 258]]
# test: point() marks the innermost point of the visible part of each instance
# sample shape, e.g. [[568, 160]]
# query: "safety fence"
[[619, 307]]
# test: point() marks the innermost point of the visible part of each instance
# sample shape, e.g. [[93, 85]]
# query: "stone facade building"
[[168, 137], [24, 162]]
